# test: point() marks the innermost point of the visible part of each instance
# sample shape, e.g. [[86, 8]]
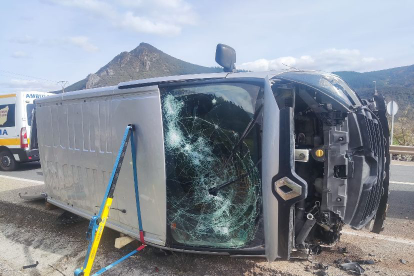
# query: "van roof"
[[311, 78]]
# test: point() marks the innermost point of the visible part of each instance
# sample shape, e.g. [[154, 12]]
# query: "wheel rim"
[[6, 161]]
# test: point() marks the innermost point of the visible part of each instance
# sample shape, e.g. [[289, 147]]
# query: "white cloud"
[[28, 85], [161, 17], [176, 12], [327, 60], [143, 25], [82, 42], [20, 54]]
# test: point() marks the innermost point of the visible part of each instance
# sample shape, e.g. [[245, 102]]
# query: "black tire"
[[7, 161]]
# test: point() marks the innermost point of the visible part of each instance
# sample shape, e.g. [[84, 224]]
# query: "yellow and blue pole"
[[97, 223]]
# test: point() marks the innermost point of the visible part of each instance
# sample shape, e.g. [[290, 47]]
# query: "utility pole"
[[63, 84]]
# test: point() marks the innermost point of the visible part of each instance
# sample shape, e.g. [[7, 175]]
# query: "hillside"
[[143, 62], [395, 83]]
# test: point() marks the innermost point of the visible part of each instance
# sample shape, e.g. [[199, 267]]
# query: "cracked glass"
[[212, 149]]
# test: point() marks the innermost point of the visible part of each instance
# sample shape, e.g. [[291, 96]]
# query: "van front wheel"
[[7, 161]]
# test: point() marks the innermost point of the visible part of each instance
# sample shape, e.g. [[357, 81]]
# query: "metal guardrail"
[[402, 150]]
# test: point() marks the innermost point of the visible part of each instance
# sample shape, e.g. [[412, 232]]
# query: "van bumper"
[[22, 155]]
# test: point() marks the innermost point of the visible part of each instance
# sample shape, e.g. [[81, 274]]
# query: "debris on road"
[[316, 249], [321, 266], [403, 261], [321, 273], [342, 250], [366, 262], [321, 269], [31, 266], [352, 267]]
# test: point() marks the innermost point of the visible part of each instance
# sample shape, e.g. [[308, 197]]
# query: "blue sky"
[[45, 41]]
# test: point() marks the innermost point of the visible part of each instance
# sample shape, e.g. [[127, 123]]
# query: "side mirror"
[[226, 57]]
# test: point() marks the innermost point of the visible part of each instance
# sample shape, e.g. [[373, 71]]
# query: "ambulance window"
[[7, 115], [29, 110]]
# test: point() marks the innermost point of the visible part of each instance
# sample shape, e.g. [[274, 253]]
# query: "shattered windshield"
[[212, 150]]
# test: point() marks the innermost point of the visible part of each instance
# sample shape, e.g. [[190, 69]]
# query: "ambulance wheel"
[[7, 161]]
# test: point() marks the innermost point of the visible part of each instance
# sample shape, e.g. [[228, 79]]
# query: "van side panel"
[[78, 142]]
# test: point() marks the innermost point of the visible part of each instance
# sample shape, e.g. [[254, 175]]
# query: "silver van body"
[[79, 134]]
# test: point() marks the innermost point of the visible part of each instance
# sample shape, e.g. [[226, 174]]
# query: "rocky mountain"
[[146, 61], [143, 62]]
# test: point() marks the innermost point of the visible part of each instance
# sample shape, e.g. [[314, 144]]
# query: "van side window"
[[7, 116]]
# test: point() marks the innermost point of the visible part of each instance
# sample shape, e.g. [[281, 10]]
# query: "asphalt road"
[[31, 171]]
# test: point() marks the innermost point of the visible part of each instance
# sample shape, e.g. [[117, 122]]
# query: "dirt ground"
[[29, 233]]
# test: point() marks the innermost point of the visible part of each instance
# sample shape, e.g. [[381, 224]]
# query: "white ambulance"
[[15, 123]]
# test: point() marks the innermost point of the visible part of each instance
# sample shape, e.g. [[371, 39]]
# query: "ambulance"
[[15, 124]]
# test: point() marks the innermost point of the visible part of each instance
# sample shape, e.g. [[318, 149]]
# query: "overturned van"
[[261, 164]]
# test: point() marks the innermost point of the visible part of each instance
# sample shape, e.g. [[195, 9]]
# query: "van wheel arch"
[[7, 161]]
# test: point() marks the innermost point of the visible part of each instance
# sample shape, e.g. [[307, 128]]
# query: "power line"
[[17, 78], [27, 76]]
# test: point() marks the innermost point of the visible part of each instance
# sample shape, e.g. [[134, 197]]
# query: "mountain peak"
[[145, 61], [146, 45]]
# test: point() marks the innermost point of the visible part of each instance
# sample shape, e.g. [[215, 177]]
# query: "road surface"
[[31, 171]]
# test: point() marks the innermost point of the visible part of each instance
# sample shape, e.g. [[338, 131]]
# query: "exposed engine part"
[[337, 166], [303, 234], [318, 153], [318, 185], [302, 155], [341, 151]]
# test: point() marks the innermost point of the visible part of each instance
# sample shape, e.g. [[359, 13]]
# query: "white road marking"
[[402, 165], [379, 237], [402, 183], [23, 179]]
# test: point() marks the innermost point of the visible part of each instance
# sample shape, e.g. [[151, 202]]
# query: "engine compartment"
[[340, 153]]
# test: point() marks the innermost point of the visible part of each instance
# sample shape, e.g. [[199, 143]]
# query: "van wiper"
[[213, 191], [246, 132], [249, 127]]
